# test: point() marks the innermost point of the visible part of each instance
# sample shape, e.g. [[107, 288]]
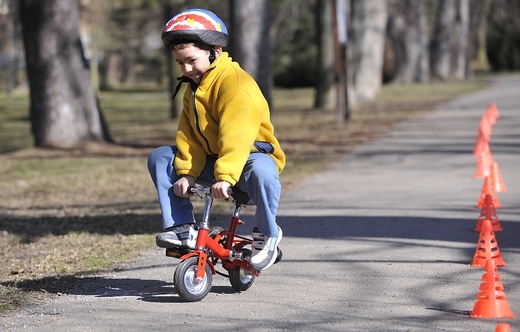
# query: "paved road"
[[380, 241]]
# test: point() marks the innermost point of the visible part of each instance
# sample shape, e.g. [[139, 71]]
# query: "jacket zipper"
[[197, 123]]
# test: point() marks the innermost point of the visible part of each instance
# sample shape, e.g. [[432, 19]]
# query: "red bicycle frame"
[[230, 252]]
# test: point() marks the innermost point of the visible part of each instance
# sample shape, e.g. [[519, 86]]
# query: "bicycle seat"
[[241, 197]]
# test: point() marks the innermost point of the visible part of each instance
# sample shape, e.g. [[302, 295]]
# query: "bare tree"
[[249, 40], [408, 34], [64, 112], [170, 8], [478, 31], [442, 40], [450, 51], [461, 67], [450, 45], [366, 47], [324, 36], [14, 49], [339, 17], [503, 35]]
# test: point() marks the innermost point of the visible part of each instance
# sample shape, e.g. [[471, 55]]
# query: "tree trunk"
[[110, 70], [450, 46], [478, 31], [461, 65], [339, 17], [14, 49], [407, 28], [442, 39], [63, 111], [423, 63], [325, 79], [367, 40], [128, 65], [170, 8], [249, 41]]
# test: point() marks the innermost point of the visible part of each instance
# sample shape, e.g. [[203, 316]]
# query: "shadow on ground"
[[398, 230]]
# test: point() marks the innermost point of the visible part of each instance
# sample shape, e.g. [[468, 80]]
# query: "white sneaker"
[[177, 236], [265, 249]]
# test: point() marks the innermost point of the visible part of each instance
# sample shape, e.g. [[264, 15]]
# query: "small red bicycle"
[[193, 276]]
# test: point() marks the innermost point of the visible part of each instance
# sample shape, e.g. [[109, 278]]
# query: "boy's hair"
[[183, 43]]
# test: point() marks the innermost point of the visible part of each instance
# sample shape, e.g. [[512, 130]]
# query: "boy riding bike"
[[224, 138]]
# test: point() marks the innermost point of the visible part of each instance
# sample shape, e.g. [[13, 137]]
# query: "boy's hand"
[[180, 187], [219, 190]]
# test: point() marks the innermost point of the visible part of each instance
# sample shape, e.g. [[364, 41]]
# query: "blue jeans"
[[259, 179]]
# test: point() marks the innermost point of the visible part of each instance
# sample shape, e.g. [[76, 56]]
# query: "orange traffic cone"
[[503, 327], [491, 300], [487, 247], [479, 145], [484, 162], [484, 130], [488, 189], [496, 178], [492, 110], [484, 134], [490, 116], [488, 212], [486, 125]]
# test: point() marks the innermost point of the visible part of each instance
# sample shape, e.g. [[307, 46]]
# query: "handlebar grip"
[[195, 189]]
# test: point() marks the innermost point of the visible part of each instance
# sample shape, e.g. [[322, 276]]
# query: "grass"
[[65, 215]]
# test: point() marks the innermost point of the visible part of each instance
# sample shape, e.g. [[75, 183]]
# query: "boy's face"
[[193, 61]]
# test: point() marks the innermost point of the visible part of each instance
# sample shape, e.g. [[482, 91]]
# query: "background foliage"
[[130, 53]]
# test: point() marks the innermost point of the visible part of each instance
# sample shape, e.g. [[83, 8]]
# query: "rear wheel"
[[184, 280], [240, 278]]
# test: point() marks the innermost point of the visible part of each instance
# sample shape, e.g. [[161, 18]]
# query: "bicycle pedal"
[[176, 252]]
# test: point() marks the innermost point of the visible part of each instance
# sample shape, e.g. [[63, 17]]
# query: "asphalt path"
[[381, 240]]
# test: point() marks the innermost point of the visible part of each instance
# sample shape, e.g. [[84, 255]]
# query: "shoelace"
[[258, 240]]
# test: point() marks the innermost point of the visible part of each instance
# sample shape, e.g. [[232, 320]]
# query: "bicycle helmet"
[[195, 24]]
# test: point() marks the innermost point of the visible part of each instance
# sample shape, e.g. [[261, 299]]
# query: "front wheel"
[[184, 280], [240, 278]]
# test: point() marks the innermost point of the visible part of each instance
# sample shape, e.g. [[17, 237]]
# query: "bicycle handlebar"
[[203, 190]]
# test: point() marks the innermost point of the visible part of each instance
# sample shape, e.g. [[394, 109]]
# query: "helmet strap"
[[182, 79], [212, 55]]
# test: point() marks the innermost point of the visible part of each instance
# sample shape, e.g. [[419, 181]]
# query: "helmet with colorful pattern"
[[196, 24]]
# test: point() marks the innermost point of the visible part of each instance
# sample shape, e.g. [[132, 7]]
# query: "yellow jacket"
[[224, 117]]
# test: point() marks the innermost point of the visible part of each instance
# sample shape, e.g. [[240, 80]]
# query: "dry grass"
[[67, 214]]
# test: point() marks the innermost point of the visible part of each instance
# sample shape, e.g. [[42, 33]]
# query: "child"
[[224, 138]]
